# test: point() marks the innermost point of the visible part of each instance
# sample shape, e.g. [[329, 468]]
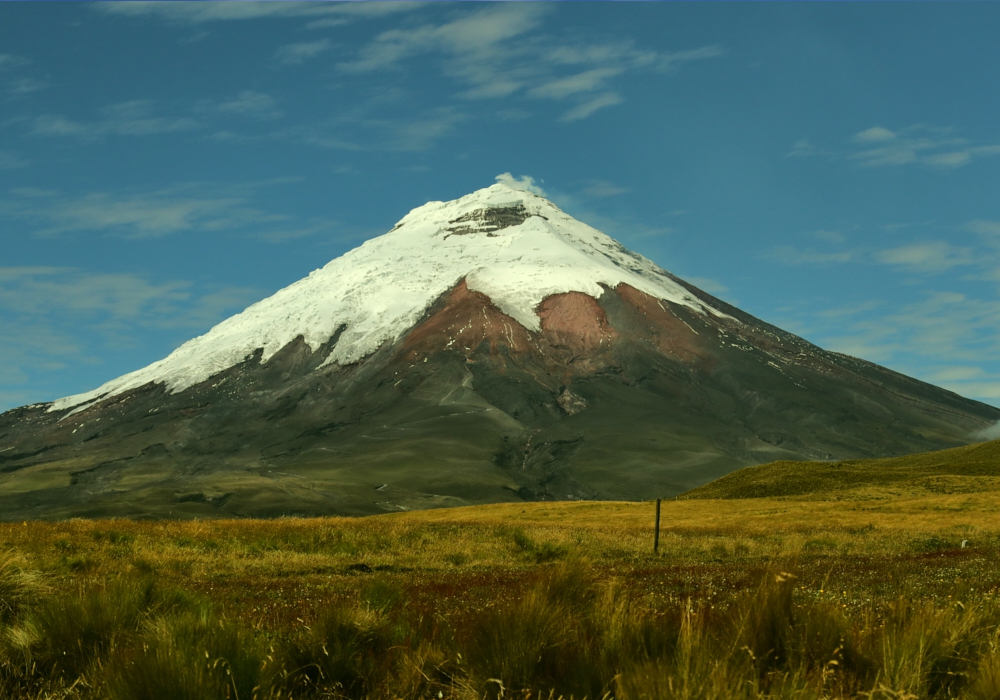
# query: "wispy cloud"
[[587, 81], [248, 103], [603, 188], [585, 109], [10, 161], [918, 145], [322, 14], [366, 128], [828, 236], [500, 51], [985, 228], [190, 207], [19, 87], [9, 61], [41, 309], [118, 298], [802, 148], [131, 118], [927, 256], [421, 132], [942, 337], [299, 53], [26, 86], [792, 255]]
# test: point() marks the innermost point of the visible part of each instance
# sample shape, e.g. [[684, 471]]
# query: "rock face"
[[486, 349]]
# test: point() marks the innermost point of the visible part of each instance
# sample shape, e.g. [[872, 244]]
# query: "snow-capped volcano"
[[486, 349], [513, 246]]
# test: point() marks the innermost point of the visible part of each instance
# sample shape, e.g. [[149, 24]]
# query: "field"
[[890, 596]]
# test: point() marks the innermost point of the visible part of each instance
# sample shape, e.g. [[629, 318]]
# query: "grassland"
[[892, 597], [969, 469]]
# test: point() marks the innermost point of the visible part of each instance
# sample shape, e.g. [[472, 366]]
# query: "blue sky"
[[830, 168]]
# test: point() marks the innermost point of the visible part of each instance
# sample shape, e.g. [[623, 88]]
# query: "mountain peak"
[[513, 246], [497, 196], [485, 349]]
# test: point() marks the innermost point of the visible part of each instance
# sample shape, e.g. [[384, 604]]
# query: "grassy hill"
[[969, 469]]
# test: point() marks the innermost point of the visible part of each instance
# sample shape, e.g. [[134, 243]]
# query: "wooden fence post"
[[656, 537]]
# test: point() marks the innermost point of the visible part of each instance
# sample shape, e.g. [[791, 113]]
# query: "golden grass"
[[280, 566], [874, 579]]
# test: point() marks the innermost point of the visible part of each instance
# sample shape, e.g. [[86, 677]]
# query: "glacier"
[[512, 245]]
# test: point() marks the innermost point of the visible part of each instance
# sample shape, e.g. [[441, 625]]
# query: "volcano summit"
[[487, 349]]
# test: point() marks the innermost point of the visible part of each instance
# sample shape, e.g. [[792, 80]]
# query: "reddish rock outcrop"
[[662, 327], [466, 319]]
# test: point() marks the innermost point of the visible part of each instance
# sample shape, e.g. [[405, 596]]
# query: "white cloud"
[[250, 103], [10, 161], [131, 118], [947, 327], [920, 144], [299, 53], [499, 51], [26, 86], [581, 82], [480, 37], [983, 227], [603, 188], [670, 61], [790, 255], [949, 160], [145, 215], [584, 110], [419, 133], [916, 145], [802, 147], [525, 183], [928, 256], [9, 61], [329, 14], [874, 135], [40, 293], [828, 236], [364, 128]]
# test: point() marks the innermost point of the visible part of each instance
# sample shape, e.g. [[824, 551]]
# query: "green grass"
[[970, 469]]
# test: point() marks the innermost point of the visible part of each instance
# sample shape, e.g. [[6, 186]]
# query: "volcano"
[[487, 349]]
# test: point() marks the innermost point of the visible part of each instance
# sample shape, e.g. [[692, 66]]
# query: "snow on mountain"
[[512, 245]]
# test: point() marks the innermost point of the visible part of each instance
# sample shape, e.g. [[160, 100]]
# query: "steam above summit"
[[512, 245]]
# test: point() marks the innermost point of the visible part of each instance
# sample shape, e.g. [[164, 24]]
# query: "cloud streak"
[[501, 51], [294, 54], [131, 118], [321, 14], [185, 208], [918, 145], [248, 103]]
